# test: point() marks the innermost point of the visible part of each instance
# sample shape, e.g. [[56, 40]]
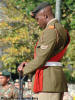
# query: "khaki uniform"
[[8, 93], [26, 93], [48, 96], [52, 41]]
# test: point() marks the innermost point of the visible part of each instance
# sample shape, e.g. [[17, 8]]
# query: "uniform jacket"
[[9, 93], [52, 41]]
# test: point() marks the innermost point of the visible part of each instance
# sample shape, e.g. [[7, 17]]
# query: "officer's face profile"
[[3, 80], [41, 20], [43, 16]]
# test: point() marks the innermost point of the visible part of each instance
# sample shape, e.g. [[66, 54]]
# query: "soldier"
[[26, 91], [48, 81], [7, 91], [17, 85]]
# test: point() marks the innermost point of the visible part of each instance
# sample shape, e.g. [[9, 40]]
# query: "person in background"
[[16, 84], [7, 91]]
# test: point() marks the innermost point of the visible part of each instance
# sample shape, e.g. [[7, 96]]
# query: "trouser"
[[49, 96]]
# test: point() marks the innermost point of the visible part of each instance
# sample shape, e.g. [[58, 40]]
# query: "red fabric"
[[38, 82]]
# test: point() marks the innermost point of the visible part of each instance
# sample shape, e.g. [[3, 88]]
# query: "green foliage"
[[68, 14], [18, 36], [69, 77]]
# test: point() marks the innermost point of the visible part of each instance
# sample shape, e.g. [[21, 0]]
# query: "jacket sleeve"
[[43, 52]]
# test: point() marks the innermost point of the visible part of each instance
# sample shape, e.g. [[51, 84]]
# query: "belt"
[[53, 64]]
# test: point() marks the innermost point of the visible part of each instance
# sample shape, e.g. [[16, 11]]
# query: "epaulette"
[[51, 27]]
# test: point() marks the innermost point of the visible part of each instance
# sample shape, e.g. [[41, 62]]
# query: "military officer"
[[48, 81], [7, 91]]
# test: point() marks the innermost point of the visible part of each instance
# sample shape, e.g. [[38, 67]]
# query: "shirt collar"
[[51, 21]]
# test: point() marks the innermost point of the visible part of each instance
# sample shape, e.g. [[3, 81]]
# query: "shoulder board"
[[51, 27]]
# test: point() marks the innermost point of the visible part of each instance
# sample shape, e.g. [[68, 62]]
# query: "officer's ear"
[[46, 16]]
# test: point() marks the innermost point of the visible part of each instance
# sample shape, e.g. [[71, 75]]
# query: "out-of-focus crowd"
[[11, 89]]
